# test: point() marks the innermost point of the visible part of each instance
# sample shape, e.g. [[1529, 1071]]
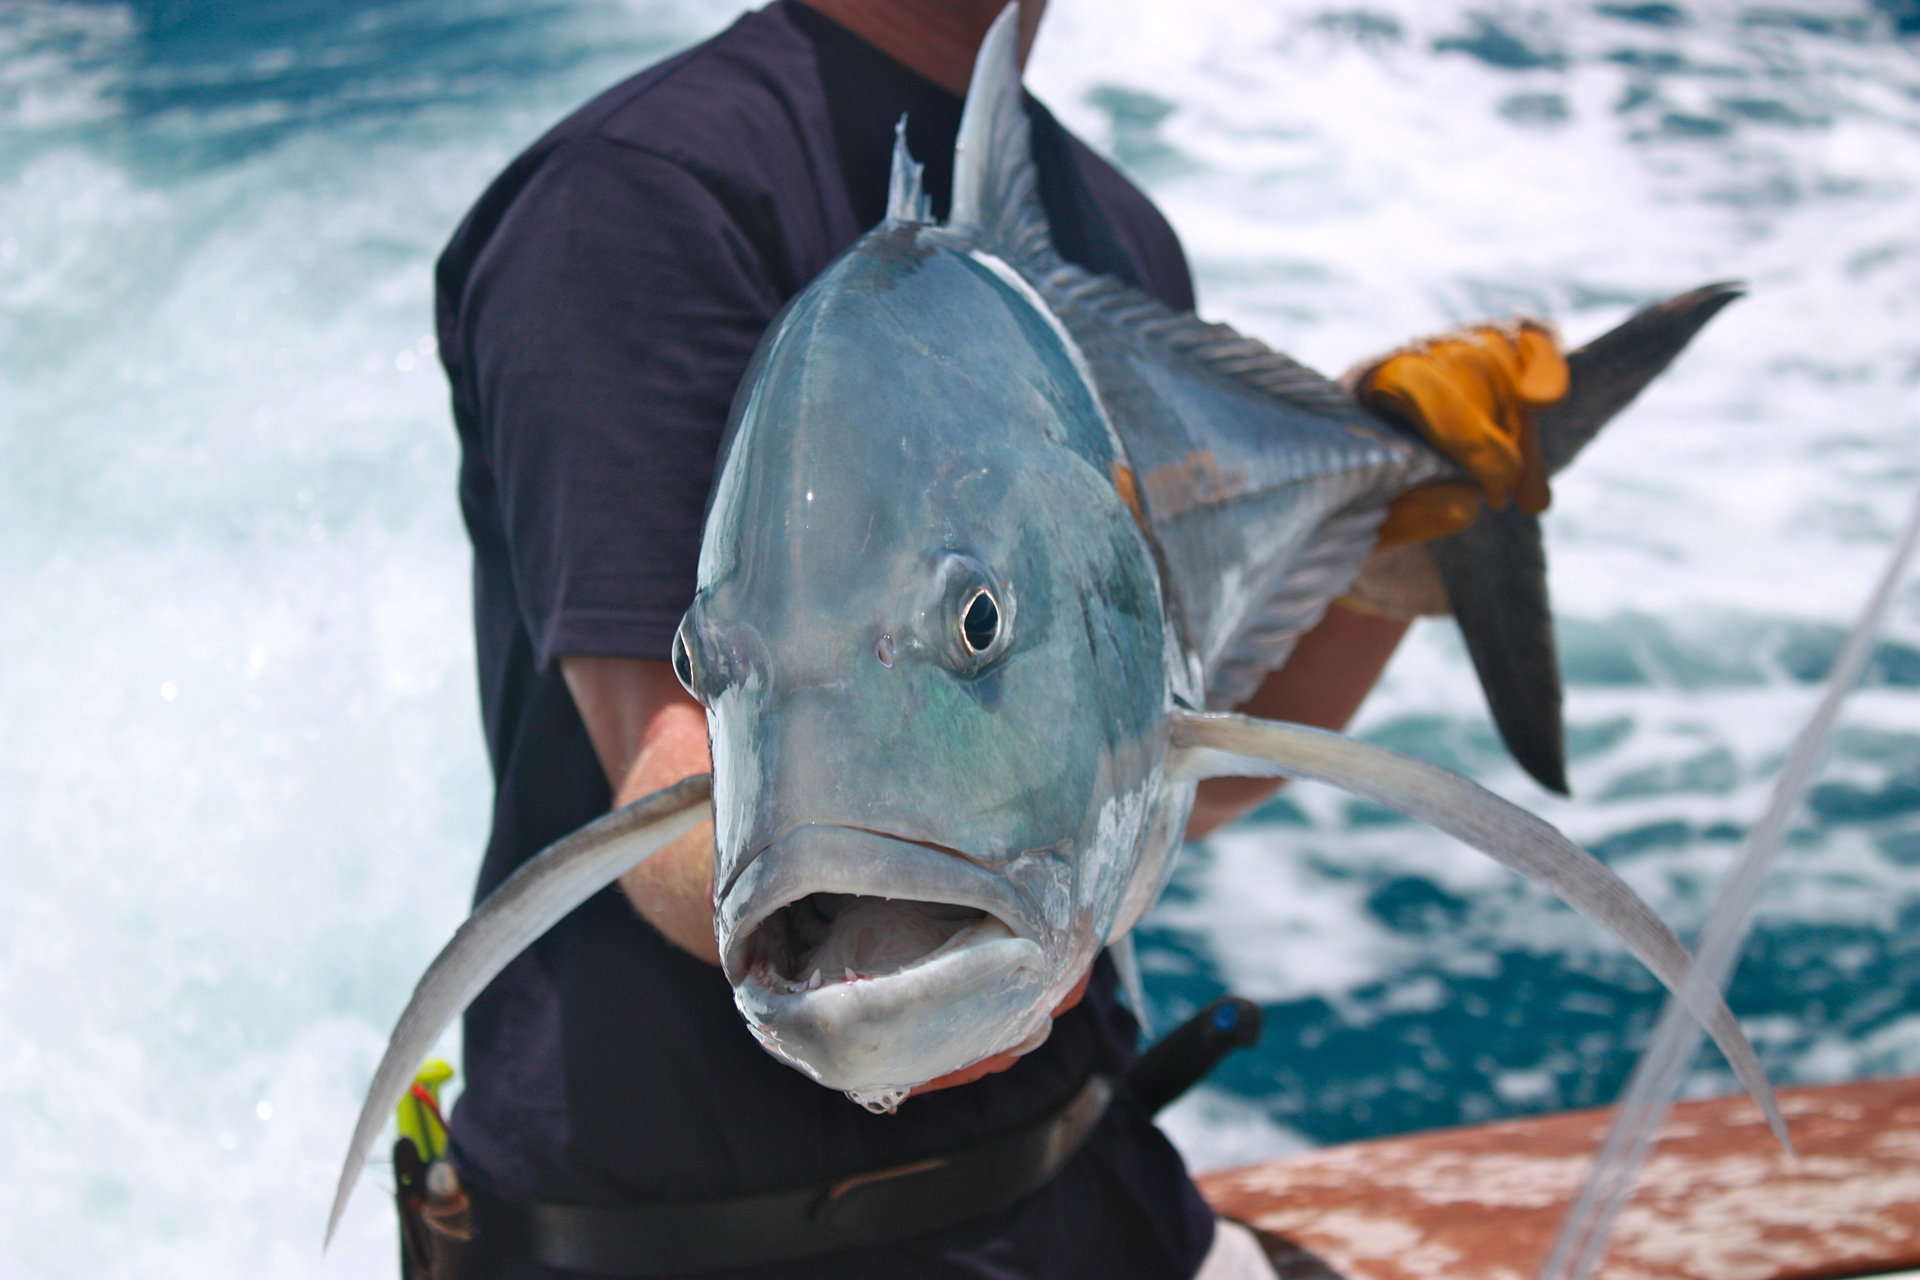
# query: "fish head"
[[932, 647]]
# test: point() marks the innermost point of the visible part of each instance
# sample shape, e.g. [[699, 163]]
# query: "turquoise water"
[[241, 787]]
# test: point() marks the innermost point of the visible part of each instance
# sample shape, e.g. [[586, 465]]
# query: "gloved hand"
[[1471, 394]]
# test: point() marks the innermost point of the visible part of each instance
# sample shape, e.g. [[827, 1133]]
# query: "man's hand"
[[1471, 394], [650, 734]]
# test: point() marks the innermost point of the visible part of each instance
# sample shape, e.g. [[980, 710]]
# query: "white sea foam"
[[223, 482], [1341, 183], [1215, 1129]]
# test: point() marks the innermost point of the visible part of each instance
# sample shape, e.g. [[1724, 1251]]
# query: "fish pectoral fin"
[[1216, 744], [531, 901]]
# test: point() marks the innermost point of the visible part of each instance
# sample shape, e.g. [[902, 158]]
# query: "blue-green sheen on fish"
[[926, 829], [995, 544], [923, 439]]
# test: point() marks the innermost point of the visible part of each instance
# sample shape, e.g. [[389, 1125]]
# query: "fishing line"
[[1581, 1245]]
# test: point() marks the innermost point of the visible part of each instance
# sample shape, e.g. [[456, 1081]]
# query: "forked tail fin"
[[1495, 570], [1607, 373]]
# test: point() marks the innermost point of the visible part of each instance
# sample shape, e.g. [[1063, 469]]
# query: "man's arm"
[[650, 734], [1323, 682]]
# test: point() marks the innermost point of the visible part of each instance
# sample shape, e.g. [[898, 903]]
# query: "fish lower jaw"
[[877, 1036]]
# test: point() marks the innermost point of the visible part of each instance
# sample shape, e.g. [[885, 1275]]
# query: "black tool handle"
[[409, 1193], [1183, 1057]]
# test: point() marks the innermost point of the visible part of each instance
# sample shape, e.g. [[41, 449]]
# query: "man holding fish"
[[597, 310]]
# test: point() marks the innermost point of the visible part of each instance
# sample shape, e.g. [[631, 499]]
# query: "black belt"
[[864, 1210]]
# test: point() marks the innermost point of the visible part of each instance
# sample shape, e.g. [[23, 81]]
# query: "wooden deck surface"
[[1718, 1200]]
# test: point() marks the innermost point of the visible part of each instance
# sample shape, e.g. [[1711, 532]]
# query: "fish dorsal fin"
[[996, 205], [1081, 297], [996, 190], [906, 193]]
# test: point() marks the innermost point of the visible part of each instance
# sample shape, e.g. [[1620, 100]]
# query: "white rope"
[[1581, 1245]]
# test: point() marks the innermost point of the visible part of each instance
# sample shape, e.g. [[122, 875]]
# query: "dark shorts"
[[1087, 1224]]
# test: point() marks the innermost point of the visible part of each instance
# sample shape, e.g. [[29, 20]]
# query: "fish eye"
[[980, 621], [969, 612]]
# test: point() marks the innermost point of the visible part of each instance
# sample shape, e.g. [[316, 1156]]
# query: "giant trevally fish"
[[990, 539]]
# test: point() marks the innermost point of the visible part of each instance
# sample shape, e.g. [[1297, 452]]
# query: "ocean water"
[[241, 786]]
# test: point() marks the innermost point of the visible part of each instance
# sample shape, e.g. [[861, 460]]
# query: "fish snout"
[[875, 963]]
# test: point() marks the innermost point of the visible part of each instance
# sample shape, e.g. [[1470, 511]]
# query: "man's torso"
[[596, 311]]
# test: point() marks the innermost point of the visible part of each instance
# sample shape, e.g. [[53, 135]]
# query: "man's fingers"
[[1469, 393]]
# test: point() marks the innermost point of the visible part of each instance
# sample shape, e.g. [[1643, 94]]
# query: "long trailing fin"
[[531, 901], [1126, 959], [906, 191], [996, 190], [1649, 1095], [1495, 570], [1495, 573], [1214, 744], [1605, 375]]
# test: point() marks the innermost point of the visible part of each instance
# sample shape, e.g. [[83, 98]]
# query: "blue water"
[[241, 788]]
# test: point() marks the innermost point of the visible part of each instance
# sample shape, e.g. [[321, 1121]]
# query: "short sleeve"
[[605, 328]]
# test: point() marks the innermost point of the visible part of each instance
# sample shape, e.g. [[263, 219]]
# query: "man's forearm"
[[1329, 673], [649, 734]]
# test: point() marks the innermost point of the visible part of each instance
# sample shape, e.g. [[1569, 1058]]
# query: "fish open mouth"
[[847, 937], [839, 899], [875, 963]]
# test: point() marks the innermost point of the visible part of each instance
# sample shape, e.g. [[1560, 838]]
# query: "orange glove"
[[1470, 394]]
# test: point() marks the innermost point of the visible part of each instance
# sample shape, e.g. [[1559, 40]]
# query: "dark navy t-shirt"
[[596, 310]]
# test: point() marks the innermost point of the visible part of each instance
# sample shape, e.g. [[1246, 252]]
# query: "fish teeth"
[[850, 975], [813, 983]]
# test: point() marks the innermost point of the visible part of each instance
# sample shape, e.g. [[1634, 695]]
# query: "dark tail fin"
[[1610, 371], [1495, 570]]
